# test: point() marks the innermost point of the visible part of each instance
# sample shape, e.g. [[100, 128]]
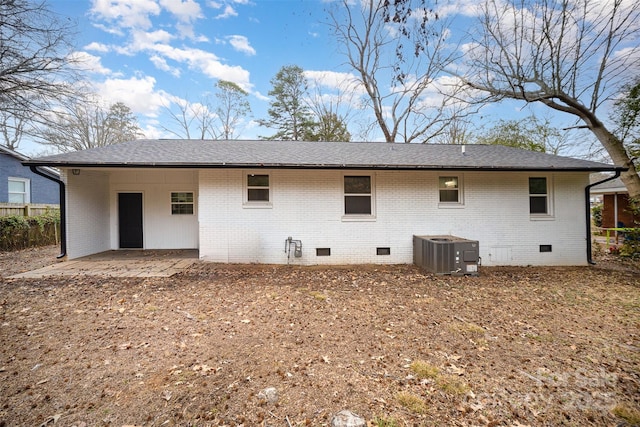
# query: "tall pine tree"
[[288, 112]]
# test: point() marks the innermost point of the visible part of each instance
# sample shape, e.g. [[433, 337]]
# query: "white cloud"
[[260, 96], [97, 47], [137, 93], [630, 58], [205, 62], [228, 12], [344, 82], [162, 64], [184, 10], [127, 13], [187, 31], [143, 39], [187, 12], [139, 21], [137, 14], [342, 92], [435, 94], [152, 130], [89, 63], [459, 7], [156, 43], [331, 79], [217, 70], [109, 29], [241, 44]]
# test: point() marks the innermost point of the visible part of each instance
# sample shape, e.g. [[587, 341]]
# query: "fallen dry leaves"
[[513, 347]]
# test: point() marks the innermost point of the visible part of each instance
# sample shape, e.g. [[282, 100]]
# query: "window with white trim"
[[182, 203], [257, 190], [19, 190], [540, 197], [358, 195], [450, 190]]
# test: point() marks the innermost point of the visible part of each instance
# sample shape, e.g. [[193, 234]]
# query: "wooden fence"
[[29, 209]]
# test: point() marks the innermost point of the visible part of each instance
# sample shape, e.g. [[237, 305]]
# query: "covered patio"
[[120, 263]]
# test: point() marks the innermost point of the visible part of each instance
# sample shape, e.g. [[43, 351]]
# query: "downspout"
[[587, 197], [63, 215]]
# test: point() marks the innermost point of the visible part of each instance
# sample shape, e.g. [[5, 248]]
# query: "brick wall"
[[624, 214], [308, 205]]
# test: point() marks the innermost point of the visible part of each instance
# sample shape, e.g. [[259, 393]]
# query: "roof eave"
[[13, 153], [178, 165]]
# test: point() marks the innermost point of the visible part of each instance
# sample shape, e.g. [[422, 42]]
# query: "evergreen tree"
[[626, 117], [288, 113], [329, 127]]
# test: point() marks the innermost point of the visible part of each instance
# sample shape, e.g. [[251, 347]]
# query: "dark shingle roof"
[[22, 158], [318, 155], [12, 153], [613, 186]]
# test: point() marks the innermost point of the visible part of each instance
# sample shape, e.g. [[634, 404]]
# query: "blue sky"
[[151, 53], [148, 53]]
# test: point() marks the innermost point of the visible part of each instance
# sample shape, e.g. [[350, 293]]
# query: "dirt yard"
[[399, 347]]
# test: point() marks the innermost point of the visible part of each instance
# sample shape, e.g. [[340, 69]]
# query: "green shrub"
[[19, 232], [631, 244], [596, 213]]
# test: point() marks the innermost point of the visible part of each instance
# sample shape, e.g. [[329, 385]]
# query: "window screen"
[[538, 196], [357, 195], [18, 190], [182, 203], [257, 188], [449, 187]]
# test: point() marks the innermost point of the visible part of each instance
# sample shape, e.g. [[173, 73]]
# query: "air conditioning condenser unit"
[[447, 254]]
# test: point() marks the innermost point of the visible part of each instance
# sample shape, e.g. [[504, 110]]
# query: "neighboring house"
[[615, 204], [19, 185], [347, 203]]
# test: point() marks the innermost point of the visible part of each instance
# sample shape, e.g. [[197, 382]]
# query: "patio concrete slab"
[[122, 263]]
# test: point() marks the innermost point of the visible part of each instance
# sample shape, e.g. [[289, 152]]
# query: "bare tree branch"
[[232, 108], [84, 124], [36, 65], [571, 56], [401, 80], [194, 120]]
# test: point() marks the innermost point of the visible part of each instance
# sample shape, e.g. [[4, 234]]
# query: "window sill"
[[541, 217], [358, 218], [450, 205], [257, 205]]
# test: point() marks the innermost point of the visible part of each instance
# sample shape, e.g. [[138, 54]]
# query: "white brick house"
[[347, 203]]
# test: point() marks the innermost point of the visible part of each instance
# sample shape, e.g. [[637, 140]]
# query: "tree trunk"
[[619, 155]]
